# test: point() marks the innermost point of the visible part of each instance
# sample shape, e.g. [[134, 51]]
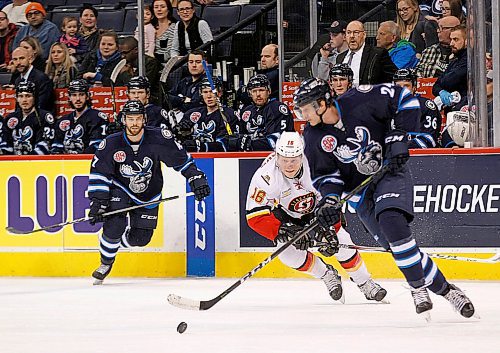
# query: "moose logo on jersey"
[[22, 144], [205, 132], [140, 178], [73, 142], [366, 155], [303, 204], [255, 124]]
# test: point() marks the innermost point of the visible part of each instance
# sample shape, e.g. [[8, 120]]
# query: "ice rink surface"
[[261, 316]]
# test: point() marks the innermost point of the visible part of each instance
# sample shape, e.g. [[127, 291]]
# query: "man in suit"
[[371, 65], [44, 85]]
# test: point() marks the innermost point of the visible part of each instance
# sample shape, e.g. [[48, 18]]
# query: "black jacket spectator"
[[186, 88], [45, 88], [454, 78], [90, 63]]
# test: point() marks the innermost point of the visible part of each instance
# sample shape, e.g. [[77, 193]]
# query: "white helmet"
[[290, 144], [458, 126]]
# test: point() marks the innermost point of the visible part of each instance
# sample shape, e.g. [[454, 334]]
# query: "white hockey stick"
[[114, 75]]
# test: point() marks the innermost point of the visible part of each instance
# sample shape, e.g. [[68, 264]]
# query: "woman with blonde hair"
[[408, 15], [60, 68]]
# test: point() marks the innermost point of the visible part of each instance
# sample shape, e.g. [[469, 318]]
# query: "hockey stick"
[[164, 77], [114, 75], [84, 219], [214, 91], [491, 260], [190, 304]]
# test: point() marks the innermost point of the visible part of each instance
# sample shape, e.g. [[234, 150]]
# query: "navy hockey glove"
[[396, 154], [239, 143], [97, 208], [194, 146], [199, 185], [184, 128], [287, 231], [329, 239], [328, 212]]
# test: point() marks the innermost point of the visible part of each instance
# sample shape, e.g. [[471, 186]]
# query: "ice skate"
[[101, 273], [459, 301], [333, 283], [423, 303], [373, 291]]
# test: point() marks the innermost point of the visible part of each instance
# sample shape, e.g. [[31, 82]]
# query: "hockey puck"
[[182, 327]]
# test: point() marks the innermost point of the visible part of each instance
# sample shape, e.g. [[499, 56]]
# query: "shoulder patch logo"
[[430, 104], [166, 133], [195, 116], [102, 145], [328, 143], [49, 118], [164, 114], [246, 115], [12, 123], [119, 156], [102, 115], [283, 109], [64, 125], [364, 88]]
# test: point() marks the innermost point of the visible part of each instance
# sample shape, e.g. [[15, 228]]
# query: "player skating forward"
[[280, 203], [125, 171], [347, 140]]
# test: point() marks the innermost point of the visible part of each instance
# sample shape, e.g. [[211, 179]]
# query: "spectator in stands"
[[431, 8], [190, 32], [27, 72], [371, 65], [129, 49], [331, 50], [60, 67], [401, 51], [7, 33], [39, 27], [408, 17], [435, 58], [149, 31], [186, 94], [88, 27], [98, 67], [165, 28], [269, 61], [32, 45], [454, 78], [77, 46], [16, 12]]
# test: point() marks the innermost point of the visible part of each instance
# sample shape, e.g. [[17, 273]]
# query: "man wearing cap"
[[16, 12], [332, 49], [39, 27]]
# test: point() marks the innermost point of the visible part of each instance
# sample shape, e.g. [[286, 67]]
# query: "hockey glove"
[[194, 146], [97, 208], [113, 128], [396, 153], [199, 185], [330, 240], [328, 212], [288, 230], [446, 97], [184, 128]]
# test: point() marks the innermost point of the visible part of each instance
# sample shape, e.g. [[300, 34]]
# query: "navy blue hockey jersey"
[[80, 135], [138, 174], [430, 126], [341, 156], [156, 116], [266, 124], [30, 135]]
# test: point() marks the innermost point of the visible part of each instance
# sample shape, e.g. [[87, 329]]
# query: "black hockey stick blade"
[[17, 231]]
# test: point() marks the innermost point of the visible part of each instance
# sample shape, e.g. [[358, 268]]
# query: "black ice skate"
[[459, 301], [372, 290], [422, 301], [101, 273], [333, 283]]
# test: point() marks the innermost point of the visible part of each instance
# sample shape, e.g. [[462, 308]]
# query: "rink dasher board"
[[230, 248]]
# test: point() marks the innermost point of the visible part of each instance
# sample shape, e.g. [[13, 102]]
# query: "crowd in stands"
[[427, 37]]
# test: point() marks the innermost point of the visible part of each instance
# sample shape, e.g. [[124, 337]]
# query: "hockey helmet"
[[205, 83], [405, 75], [290, 144], [79, 85], [259, 80], [134, 107], [26, 87], [139, 82], [312, 90], [342, 70]]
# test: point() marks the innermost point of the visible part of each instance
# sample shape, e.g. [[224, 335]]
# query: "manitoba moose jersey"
[[430, 126], [341, 156], [270, 188], [137, 170], [156, 116], [80, 135], [266, 124], [32, 134]]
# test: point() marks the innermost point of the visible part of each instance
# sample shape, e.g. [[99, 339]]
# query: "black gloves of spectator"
[[327, 212], [97, 208], [287, 231], [199, 186], [396, 154]]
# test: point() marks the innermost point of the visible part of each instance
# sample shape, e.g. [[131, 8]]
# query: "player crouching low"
[[281, 202], [126, 171]]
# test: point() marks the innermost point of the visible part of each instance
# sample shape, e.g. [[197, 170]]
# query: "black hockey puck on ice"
[[182, 327]]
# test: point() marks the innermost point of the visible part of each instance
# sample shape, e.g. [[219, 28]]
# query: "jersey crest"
[[73, 140], [366, 154], [328, 143], [22, 144], [303, 204], [205, 132], [12, 123], [139, 178]]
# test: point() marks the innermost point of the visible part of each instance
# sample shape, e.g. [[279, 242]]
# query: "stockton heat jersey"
[[270, 188]]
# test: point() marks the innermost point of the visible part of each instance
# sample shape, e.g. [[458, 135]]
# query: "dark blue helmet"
[[139, 82], [405, 75], [342, 70], [78, 85], [312, 90], [259, 80], [26, 87], [205, 83], [133, 107]]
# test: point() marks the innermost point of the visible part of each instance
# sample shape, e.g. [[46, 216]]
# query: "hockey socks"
[[108, 248]]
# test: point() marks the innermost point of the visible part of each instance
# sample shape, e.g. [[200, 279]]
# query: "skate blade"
[[384, 301], [476, 316], [98, 282], [342, 298], [426, 315]]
